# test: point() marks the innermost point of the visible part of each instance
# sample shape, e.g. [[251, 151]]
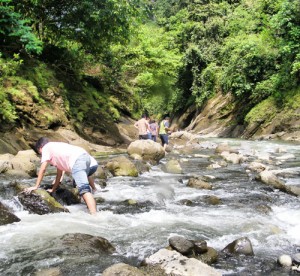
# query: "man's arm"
[[39, 178], [58, 178]]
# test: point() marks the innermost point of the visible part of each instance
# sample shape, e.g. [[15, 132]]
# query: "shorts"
[[80, 172], [164, 138], [143, 137]]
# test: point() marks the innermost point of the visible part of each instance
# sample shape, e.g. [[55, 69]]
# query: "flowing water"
[[26, 247]]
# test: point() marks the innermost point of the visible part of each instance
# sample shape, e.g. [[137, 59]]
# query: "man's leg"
[[90, 203]]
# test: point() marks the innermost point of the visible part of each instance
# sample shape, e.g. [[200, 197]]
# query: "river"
[[26, 247]]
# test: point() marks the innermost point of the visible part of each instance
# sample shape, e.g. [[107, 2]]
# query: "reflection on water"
[[136, 233]]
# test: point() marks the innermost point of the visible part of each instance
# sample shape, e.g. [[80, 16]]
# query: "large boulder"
[[39, 201], [122, 166], [26, 161], [6, 216], [146, 150]]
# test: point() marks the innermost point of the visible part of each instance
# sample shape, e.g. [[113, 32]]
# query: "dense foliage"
[[157, 56]]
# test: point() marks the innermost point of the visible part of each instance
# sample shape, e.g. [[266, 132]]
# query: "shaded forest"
[[103, 59]]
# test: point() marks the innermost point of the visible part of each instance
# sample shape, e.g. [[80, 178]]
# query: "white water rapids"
[[137, 235]]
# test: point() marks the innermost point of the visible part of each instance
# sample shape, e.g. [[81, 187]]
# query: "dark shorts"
[[143, 137], [164, 139]]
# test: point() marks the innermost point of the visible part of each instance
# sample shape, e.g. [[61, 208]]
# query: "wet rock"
[[181, 244], [173, 166], [6, 216], [121, 166], [67, 196], [296, 259], [146, 150], [200, 247], [212, 200], [40, 202], [209, 257], [173, 263], [142, 166], [198, 183], [130, 206], [79, 243], [239, 246], [186, 202], [263, 208], [285, 260]]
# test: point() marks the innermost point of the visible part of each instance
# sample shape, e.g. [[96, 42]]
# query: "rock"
[[286, 156], [239, 246], [5, 163], [40, 202], [146, 150], [224, 147], [6, 216], [269, 178], [84, 244], [200, 247], [212, 200], [122, 269], [257, 167], [173, 166], [232, 157], [198, 183], [285, 260], [296, 258], [121, 166], [181, 244], [209, 257], [173, 263], [25, 161]]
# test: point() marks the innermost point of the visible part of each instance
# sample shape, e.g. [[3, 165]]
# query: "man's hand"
[[29, 190]]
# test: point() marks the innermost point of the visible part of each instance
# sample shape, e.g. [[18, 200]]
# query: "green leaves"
[[15, 32]]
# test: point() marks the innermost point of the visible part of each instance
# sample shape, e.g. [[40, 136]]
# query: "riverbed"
[[26, 246]]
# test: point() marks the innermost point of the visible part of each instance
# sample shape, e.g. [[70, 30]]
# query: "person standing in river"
[[164, 129], [68, 158], [154, 130], [143, 127]]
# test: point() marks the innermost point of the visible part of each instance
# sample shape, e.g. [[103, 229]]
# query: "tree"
[[15, 32]]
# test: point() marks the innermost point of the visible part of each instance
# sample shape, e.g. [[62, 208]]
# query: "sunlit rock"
[[173, 166], [239, 246], [147, 150], [232, 157], [285, 260], [121, 166], [174, 263], [122, 269]]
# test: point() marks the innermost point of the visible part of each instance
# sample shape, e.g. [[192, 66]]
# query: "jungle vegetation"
[[158, 56]]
